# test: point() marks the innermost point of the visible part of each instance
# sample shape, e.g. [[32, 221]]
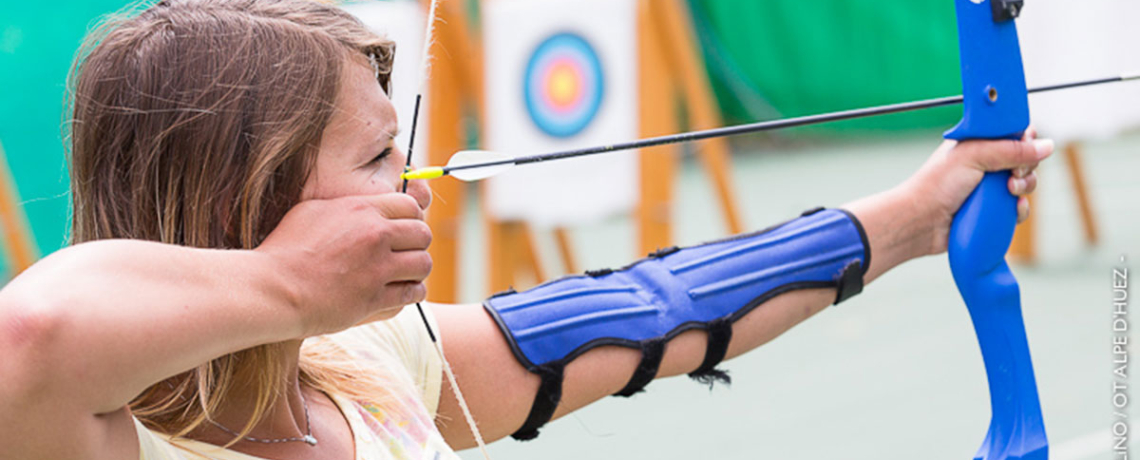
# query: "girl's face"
[[358, 155]]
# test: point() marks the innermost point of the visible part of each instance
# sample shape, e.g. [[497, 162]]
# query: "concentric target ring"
[[563, 85]]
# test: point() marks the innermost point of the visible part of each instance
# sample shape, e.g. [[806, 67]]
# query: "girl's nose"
[[420, 190]]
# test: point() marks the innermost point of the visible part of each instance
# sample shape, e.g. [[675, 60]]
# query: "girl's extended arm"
[[905, 222]]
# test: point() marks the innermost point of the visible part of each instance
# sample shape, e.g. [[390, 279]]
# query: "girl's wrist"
[[282, 287], [900, 226], [921, 220]]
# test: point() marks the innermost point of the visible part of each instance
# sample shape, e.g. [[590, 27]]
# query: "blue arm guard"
[[646, 304]]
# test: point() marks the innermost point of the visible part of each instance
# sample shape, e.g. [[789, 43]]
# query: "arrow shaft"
[[769, 126]]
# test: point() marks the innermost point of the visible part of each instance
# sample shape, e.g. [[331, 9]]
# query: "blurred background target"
[[561, 74], [563, 85]]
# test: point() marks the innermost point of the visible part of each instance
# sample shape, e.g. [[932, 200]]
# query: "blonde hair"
[[196, 122]]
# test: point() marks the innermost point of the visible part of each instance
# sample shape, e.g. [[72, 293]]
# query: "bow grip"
[[979, 237]]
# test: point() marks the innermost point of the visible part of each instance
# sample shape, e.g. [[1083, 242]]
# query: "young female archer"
[[242, 260]]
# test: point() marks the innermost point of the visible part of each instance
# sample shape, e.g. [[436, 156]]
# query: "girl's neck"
[[286, 415], [298, 411]]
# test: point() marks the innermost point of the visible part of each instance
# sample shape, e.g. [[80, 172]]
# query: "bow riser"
[[995, 96], [996, 107]]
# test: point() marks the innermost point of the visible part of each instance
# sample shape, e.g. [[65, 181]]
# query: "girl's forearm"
[[899, 228], [99, 322]]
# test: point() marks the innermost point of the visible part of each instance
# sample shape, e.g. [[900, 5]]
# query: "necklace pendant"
[[310, 440]]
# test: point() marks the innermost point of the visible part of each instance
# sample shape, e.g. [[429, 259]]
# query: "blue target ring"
[[563, 85]]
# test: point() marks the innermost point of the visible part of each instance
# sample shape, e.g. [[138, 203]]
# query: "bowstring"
[[425, 66]]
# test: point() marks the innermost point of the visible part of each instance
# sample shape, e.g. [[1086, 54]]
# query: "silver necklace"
[[308, 438]]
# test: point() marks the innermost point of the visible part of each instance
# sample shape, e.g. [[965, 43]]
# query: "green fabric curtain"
[[38, 41], [774, 58]]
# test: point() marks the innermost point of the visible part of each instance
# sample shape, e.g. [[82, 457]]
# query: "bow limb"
[[996, 107]]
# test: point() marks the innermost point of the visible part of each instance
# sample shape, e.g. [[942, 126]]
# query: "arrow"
[[474, 165]]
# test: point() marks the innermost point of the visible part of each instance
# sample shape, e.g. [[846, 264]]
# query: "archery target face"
[[561, 74], [563, 85]]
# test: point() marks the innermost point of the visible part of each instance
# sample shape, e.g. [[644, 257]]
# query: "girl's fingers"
[[1025, 171], [1030, 183], [1022, 209], [402, 293], [409, 235], [1021, 186], [413, 266], [1030, 134], [1003, 155]]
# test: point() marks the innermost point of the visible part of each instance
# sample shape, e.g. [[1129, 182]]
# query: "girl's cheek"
[[385, 179]]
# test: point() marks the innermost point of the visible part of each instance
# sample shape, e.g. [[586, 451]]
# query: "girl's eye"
[[381, 156]]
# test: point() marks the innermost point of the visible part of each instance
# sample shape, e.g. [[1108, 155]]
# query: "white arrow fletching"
[[470, 157]]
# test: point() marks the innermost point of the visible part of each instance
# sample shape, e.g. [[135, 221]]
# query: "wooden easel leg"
[[455, 80], [658, 165], [1077, 173], [445, 217], [566, 250], [500, 256], [684, 61], [513, 260], [1023, 248], [527, 252], [18, 239]]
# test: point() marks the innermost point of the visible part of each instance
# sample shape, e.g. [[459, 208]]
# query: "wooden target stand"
[[670, 66], [19, 245], [1024, 246]]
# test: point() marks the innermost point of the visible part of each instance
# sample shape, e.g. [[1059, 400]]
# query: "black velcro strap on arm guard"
[[646, 304]]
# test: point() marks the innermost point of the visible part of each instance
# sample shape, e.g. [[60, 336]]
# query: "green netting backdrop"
[[775, 58], [767, 58], [37, 43]]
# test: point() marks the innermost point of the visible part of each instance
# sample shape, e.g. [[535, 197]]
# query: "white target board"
[[561, 74], [403, 23]]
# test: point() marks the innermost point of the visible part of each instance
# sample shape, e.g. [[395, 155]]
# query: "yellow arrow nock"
[[423, 173]]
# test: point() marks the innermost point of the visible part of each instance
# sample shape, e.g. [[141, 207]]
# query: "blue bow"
[[996, 107]]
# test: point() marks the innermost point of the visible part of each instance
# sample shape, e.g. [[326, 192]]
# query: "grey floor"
[[894, 373]]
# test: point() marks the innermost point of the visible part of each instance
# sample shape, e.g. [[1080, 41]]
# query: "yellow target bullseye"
[[565, 85]]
